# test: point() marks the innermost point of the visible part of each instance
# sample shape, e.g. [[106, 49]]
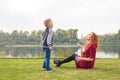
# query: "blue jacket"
[[47, 38]]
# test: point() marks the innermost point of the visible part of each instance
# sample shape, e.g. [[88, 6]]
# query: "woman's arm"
[[85, 59], [80, 47], [91, 54]]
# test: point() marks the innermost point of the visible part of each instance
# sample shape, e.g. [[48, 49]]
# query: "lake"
[[35, 51]]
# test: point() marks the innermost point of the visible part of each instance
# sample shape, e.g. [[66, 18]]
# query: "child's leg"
[[44, 59], [43, 64], [47, 58]]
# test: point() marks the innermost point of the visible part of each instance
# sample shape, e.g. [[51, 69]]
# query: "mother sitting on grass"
[[83, 59]]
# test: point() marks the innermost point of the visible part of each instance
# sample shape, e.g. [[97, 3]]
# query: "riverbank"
[[30, 69]]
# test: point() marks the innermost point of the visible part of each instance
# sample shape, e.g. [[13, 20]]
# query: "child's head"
[[48, 23]]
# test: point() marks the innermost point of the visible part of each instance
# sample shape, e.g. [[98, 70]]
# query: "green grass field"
[[30, 69]]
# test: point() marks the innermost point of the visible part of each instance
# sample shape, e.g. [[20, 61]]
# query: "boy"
[[47, 44]]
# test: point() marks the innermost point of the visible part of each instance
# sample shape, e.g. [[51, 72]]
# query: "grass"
[[30, 69]]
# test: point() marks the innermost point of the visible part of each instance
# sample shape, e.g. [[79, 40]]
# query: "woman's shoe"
[[57, 62]]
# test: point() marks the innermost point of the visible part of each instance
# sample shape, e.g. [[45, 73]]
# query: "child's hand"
[[50, 48]]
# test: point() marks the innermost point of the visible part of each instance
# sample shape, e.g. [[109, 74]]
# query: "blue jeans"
[[46, 63]]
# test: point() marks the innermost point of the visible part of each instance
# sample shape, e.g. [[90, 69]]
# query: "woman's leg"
[[68, 59]]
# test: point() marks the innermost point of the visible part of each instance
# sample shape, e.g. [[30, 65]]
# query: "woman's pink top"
[[89, 52]]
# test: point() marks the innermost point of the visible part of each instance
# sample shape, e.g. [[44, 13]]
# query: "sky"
[[99, 16]]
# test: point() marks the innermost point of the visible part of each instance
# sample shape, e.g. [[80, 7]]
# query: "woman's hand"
[[79, 58], [79, 45]]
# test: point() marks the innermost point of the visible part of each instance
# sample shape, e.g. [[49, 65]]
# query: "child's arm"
[[50, 39]]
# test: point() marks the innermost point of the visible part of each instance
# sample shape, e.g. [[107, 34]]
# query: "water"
[[35, 51]]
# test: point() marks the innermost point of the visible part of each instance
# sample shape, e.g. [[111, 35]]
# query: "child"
[[47, 44]]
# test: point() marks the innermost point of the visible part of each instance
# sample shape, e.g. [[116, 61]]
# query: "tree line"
[[112, 38], [34, 37], [60, 37], [107, 39]]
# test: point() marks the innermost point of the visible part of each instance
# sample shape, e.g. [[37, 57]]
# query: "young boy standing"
[[47, 44]]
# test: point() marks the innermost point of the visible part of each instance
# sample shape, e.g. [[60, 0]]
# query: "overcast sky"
[[100, 16]]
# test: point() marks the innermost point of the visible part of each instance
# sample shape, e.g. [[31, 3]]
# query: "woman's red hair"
[[94, 39]]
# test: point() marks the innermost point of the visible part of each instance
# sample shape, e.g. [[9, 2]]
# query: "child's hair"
[[46, 22]]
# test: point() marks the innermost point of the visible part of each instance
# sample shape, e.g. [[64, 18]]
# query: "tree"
[[60, 36], [33, 36], [4, 36], [119, 31], [38, 34], [24, 36], [72, 35]]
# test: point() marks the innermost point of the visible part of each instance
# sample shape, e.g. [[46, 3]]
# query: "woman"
[[87, 58]]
